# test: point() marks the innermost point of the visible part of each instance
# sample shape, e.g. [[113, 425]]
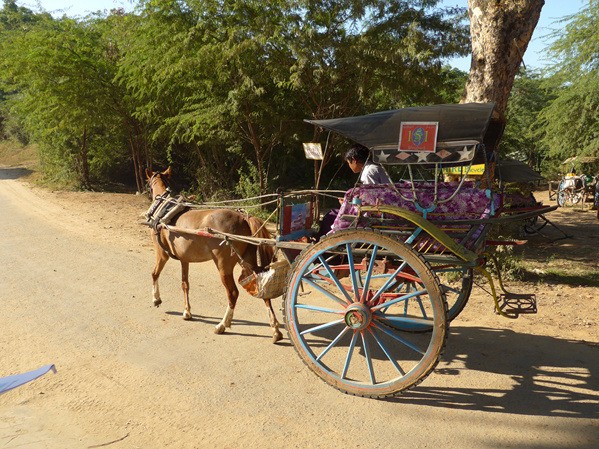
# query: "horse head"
[[158, 182]]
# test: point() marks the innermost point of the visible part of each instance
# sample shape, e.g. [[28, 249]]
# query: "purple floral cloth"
[[469, 203]]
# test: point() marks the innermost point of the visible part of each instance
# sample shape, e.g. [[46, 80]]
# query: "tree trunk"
[[85, 181], [500, 31], [255, 139]]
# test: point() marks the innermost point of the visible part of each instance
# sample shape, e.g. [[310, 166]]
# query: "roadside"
[[75, 291]]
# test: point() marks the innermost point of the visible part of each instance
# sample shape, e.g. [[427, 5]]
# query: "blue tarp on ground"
[[10, 382]]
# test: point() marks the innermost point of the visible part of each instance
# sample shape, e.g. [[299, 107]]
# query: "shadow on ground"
[[14, 173], [551, 376]]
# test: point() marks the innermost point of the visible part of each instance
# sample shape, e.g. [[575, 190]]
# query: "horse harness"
[[164, 210]]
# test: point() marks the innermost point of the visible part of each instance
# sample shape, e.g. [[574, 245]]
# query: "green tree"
[[521, 138], [230, 81], [13, 17], [570, 123], [60, 74]]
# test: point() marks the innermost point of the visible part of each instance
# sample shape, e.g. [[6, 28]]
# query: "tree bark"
[[500, 31], [84, 162]]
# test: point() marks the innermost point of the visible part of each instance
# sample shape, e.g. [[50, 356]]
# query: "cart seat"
[[468, 203]]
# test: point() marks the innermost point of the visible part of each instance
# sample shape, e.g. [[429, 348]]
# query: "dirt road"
[[75, 291]]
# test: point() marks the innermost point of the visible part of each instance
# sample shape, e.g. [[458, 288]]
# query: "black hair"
[[357, 152]]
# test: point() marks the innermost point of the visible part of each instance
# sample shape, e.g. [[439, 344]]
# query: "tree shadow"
[[551, 376], [14, 172]]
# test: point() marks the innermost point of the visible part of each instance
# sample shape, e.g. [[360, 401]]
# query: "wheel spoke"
[[321, 327], [399, 339], [419, 301], [366, 348], [335, 280], [369, 273], [387, 353], [324, 291], [333, 343], [389, 282], [451, 289], [406, 304], [399, 320], [350, 351], [352, 271], [400, 299], [317, 309]]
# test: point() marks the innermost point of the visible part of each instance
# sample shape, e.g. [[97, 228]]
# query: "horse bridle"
[[151, 183]]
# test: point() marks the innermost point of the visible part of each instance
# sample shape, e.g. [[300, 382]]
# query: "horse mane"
[[265, 253]]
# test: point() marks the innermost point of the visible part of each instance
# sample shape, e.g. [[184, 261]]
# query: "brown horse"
[[189, 248]]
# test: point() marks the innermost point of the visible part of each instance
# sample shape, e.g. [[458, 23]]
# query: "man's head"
[[356, 157]]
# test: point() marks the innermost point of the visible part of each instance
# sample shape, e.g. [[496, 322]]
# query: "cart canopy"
[[455, 130], [511, 170]]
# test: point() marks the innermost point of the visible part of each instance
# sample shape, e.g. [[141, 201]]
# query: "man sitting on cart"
[[359, 160]]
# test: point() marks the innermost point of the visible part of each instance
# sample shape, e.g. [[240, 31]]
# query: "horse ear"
[[148, 174], [167, 172]]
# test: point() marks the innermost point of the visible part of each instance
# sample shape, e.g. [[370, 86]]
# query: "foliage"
[[60, 74], [520, 140], [217, 88], [569, 125]]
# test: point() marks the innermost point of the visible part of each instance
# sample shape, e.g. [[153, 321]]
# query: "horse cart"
[[367, 306]]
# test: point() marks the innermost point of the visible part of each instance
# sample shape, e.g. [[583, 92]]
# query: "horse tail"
[[265, 253]]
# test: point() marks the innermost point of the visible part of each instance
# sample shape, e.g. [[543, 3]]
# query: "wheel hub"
[[358, 316]]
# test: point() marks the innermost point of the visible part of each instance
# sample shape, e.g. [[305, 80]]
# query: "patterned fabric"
[[469, 203]]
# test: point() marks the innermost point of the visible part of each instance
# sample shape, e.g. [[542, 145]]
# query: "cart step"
[[518, 303]]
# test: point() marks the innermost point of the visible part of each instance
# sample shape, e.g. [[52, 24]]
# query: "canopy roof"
[[458, 128], [510, 170], [467, 121]]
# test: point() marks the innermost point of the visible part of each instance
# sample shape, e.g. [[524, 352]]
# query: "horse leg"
[[161, 259], [232, 295], [185, 287], [274, 324]]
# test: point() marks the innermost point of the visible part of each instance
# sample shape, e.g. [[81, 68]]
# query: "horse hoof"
[[277, 336], [187, 316], [157, 302], [219, 329]]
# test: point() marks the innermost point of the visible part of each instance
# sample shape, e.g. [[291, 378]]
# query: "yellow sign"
[[475, 170]]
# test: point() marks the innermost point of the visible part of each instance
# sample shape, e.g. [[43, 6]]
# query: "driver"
[[359, 160]]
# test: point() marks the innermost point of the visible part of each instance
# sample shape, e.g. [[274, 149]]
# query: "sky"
[[533, 58]]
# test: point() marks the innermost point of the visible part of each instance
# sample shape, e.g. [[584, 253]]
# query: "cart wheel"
[[457, 285], [561, 198], [345, 304]]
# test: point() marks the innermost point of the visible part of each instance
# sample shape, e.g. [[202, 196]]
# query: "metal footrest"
[[518, 303]]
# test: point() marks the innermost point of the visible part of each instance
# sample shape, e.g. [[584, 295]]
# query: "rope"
[[225, 204], [264, 223], [241, 199]]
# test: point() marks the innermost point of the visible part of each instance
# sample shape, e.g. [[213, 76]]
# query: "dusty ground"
[[75, 291]]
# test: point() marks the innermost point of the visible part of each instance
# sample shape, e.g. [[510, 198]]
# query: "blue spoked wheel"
[[345, 309]]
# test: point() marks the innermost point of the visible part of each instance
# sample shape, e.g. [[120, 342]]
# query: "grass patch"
[[14, 155]]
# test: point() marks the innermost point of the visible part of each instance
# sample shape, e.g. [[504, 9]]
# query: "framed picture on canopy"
[[418, 136]]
